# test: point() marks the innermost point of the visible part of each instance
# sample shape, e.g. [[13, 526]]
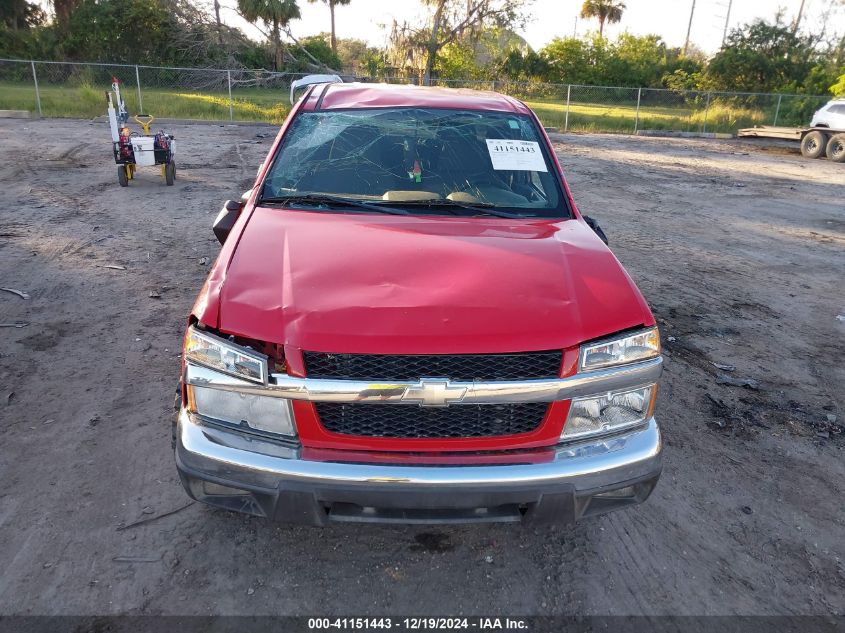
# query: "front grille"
[[406, 421], [468, 367]]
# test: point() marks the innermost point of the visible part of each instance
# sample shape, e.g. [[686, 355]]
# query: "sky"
[[371, 19]]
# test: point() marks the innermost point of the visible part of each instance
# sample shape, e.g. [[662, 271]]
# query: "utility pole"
[[689, 28], [727, 20], [575, 28]]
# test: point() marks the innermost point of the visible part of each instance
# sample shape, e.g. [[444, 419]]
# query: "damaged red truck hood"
[[365, 283]]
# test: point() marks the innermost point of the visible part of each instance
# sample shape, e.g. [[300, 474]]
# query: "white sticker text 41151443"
[[507, 154]]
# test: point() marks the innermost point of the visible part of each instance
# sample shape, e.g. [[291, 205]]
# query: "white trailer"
[[815, 141]]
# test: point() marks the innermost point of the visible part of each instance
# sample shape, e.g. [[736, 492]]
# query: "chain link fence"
[[573, 107], [64, 89]]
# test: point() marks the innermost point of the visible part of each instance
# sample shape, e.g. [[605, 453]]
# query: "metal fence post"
[[777, 110], [35, 81], [706, 110], [229, 81], [568, 94], [138, 84], [637, 118]]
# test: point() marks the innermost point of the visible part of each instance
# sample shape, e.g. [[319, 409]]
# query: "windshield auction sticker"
[[513, 155]]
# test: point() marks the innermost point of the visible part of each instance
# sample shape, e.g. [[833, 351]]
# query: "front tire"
[[122, 176], [170, 173], [813, 144], [836, 148]]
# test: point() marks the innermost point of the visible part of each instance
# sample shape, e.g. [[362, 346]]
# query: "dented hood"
[[407, 284]]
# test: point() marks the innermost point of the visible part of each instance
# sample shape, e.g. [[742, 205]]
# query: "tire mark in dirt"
[[246, 181]]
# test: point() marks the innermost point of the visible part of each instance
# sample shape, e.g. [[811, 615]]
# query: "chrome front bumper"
[[249, 474]]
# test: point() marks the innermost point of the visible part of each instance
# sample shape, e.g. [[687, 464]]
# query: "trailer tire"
[[170, 173], [122, 176], [836, 148], [813, 144]]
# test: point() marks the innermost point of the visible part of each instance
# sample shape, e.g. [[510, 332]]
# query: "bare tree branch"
[[319, 65], [452, 20]]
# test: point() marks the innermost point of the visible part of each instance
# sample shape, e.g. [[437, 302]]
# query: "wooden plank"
[[768, 131]]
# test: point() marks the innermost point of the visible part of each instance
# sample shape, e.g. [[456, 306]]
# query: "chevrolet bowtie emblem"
[[434, 392]]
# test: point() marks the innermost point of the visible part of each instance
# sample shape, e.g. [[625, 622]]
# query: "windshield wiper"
[[328, 200], [478, 208]]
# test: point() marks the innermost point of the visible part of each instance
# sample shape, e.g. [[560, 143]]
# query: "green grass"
[[271, 106], [84, 101], [596, 117]]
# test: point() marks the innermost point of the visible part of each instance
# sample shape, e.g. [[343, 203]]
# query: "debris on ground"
[[115, 267], [150, 519], [730, 381], [154, 295], [15, 291], [829, 427], [17, 324], [725, 417], [724, 367], [135, 559]]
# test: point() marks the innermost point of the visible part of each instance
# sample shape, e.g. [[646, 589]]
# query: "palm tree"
[[609, 11], [63, 9], [276, 14], [332, 4], [219, 22]]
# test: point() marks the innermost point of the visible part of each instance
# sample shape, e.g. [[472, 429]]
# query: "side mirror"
[[596, 228], [226, 219]]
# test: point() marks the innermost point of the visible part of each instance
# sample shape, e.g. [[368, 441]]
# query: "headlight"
[[609, 412], [262, 413], [218, 353], [622, 350]]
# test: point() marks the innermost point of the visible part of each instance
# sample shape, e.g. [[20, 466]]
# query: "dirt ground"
[[739, 248]]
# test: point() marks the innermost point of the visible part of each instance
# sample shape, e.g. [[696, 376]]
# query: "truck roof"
[[339, 96]]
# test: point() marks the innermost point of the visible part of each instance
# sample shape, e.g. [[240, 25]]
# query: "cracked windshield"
[[416, 161]]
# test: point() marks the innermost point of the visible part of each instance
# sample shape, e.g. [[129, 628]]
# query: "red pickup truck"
[[410, 321]]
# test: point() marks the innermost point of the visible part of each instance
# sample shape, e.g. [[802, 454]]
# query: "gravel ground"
[[739, 248]]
